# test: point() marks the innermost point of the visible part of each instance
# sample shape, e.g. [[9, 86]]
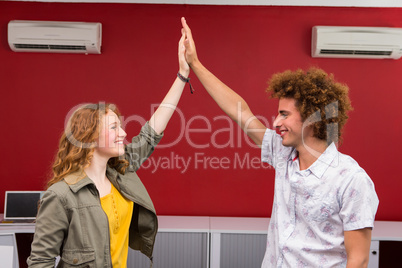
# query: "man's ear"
[[309, 122], [308, 129]]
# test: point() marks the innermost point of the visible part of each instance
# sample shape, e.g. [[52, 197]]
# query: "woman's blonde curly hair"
[[78, 142], [319, 98]]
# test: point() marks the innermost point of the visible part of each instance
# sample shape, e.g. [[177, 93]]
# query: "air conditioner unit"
[[356, 42], [55, 36]]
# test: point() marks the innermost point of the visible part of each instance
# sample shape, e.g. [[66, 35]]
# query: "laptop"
[[21, 206]]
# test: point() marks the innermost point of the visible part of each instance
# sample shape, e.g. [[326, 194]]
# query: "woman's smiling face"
[[111, 136]]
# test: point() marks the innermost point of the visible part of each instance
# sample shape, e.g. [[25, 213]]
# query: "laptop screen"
[[21, 205]]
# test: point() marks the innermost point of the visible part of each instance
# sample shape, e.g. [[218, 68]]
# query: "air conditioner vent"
[[55, 36], [355, 52], [62, 47], [356, 42]]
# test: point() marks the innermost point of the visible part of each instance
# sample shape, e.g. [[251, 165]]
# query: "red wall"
[[243, 46]]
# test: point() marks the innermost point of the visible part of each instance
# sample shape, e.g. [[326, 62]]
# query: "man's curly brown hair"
[[319, 98]]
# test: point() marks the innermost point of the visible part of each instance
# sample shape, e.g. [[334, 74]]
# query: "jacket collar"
[[77, 180], [111, 174]]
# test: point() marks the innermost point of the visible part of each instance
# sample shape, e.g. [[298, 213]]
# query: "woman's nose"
[[122, 133]]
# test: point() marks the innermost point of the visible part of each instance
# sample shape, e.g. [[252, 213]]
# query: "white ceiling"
[[335, 3]]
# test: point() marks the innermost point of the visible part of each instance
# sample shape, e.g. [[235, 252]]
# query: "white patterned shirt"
[[313, 207]]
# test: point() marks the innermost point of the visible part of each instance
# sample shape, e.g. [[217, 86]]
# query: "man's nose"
[[277, 122]]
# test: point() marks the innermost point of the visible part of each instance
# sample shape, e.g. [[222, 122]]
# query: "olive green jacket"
[[72, 224]]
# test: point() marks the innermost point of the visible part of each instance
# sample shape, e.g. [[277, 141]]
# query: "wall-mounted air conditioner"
[[356, 42], [55, 36]]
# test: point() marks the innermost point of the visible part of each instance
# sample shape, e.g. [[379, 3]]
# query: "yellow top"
[[119, 212]]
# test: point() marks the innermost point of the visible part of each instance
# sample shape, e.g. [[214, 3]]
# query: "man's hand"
[[191, 53]]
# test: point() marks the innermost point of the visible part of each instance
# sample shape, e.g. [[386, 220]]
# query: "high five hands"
[[190, 53]]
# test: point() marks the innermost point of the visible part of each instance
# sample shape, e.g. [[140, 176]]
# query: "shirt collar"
[[293, 155], [328, 158]]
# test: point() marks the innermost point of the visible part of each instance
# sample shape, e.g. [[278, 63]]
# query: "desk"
[[386, 240], [17, 228], [24, 236], [387, 231], [219, 242], [237, 240]]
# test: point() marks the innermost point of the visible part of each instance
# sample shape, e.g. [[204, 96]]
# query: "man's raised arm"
[[228, 100]]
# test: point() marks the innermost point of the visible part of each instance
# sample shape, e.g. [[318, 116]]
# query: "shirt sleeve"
[[359, 203], [272, 150], [142, 146]]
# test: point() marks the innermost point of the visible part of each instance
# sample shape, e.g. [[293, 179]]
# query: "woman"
[[95, 206]]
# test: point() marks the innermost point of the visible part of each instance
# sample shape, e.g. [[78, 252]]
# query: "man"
[[324, 203]]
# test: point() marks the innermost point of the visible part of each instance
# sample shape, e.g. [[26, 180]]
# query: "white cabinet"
[[181, 242], [8, 250], [238, 242], [223, 242], [374, 254]]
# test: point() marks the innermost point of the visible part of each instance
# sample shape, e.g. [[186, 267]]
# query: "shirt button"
[[75, 261]]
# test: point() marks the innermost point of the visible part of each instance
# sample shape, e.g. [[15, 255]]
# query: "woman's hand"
[[162, 115], [183, 65]]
